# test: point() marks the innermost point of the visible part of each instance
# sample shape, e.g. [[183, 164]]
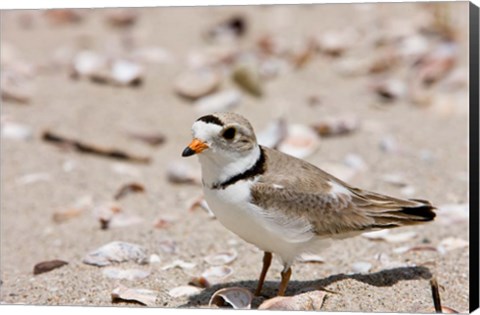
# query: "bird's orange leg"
[[285, 278], [267, 260]]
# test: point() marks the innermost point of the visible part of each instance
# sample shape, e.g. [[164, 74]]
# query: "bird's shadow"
[[384, 278]]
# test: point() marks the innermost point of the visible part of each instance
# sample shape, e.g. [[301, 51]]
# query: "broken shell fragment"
[[361, 267], [125, 72], [301, 141], [47, 266], [185, 290], [116, 252], [218, 102], [15, 131], [311, 258], [236, 297], [128, 189], [229, 30], [81, 205], [217, 274], [142, 296], [197, 83], [309, 301], [389, 89], [334, 126], [180, 172], [179, 264], [247, 77], [87, 63], [224, 258], [127, 274]]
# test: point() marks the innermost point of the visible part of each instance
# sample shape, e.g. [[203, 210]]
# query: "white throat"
[[217, 168]]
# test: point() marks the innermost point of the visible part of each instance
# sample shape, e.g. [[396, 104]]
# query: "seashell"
[[179, 264], [121, 17], [15, 87], [87, 63], [81, 205], [223, 258], [127, 274], [438, 63], [15, 131], [273, 134], [229, 30], [333, 126], [385, 235], [197, 83], [154, 259], [200, 282], [202, 203], [301, 141], [185, 290], [142, 296], [116, 252], [164, 221], [128, 189], [335, 43], [218, 102], [217, 274], [63, 16], [389, 89], [180, 172], [413, 47], [236, 297], [33, 178], [247, 77], [451, 243], [311, 258], [405, 249], [309, 301], [125, 72], [47, 266], [361, 267], [105, 213]]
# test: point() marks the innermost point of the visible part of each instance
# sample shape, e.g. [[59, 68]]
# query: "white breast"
[[233, 209]]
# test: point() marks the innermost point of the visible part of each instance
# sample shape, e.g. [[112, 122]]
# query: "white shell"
[[126, 72], [385, 235], [116, 252], [87, 63], [143, 296], [361, 267], [217, 274], [301, 141], [309, 301], [128, 274], [223, 258], [238, 298], [185, 290], [310, 258], [15, 131], [218, 102], [179, 264]]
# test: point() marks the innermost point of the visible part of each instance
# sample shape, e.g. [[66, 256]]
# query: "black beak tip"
[[188, 152]]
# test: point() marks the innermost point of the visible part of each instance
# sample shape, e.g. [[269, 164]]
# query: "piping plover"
[[282, 204]]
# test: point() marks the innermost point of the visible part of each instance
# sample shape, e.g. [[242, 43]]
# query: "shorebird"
[[281, 204]]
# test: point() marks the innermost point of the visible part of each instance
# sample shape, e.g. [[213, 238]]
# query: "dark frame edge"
[[474, 156]]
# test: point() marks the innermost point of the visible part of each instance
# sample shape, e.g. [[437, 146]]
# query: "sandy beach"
[[407, 147]]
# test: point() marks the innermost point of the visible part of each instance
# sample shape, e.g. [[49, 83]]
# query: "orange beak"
[[195, 147]]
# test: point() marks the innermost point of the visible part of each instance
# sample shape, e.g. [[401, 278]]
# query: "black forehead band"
[[210, 119]]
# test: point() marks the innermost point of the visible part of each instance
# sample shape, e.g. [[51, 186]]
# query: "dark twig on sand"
[[92, 149], [436, 295]]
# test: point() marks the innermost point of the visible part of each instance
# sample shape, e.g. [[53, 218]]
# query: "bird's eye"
[[229, 133]]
